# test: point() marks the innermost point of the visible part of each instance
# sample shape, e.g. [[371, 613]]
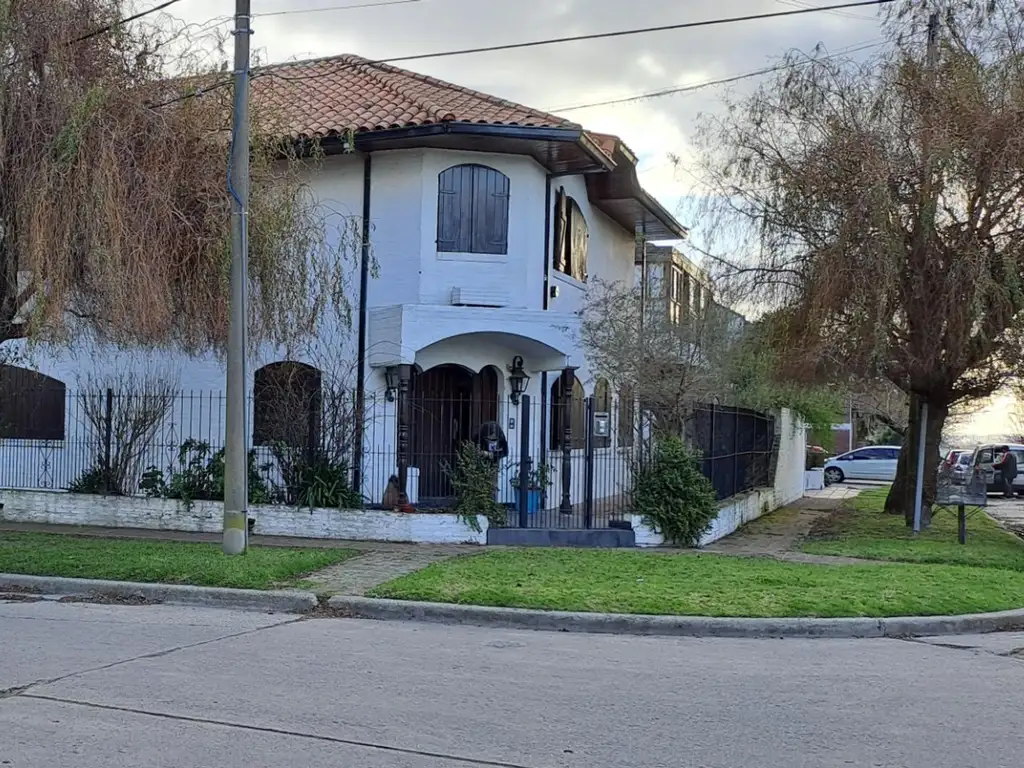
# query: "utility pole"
[[236, 455], [931, 62]]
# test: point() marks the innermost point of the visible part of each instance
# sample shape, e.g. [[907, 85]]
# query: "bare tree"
[[114, 209], [130, 408], [668, 361], [883, 204]]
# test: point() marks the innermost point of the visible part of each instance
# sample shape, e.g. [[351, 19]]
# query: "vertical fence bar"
[[108, 428], [588, 490], [524, 461]]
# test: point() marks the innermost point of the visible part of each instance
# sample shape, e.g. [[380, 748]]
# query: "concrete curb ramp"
[[679, 626], [283, 601], [294, 601]]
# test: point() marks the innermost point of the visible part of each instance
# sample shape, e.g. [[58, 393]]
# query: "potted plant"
[[539, 480]]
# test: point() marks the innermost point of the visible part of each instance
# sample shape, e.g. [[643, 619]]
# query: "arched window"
[[288, 406], [32, 405], [603, 405], [472, 210], [571, 237], [627, 417], [576, 412]]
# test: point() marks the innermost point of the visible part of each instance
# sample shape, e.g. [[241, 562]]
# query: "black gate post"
[[961, 520], [568, 380], [524, 461], [108, 426], [588, 497]]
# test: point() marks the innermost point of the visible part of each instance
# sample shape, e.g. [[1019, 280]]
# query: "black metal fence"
[[576, 460], [736, 445]]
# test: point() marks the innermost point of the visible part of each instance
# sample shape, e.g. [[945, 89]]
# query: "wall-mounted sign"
[[602, 425]]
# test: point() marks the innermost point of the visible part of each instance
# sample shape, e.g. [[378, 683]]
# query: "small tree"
[[673, 495], [133, 412]]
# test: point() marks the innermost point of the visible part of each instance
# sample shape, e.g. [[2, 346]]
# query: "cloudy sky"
[[558, 76]]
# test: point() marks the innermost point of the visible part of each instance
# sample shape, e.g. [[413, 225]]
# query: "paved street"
[[98, 686]]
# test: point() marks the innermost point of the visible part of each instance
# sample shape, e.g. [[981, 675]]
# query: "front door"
[[448, 404]]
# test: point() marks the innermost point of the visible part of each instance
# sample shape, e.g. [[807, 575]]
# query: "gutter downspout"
[[364, 282], [547, 293]]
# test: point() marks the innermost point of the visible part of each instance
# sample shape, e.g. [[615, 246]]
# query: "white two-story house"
[[486, 219]]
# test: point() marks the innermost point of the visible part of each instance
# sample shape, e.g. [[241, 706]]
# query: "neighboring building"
[[684, 289], [486, 219]]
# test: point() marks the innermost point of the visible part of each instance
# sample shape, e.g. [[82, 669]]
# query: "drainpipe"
[[364, 282], [547, 293]]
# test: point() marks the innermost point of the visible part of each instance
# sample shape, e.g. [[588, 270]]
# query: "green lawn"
[[708, 585], [169, 562], [864, 530]]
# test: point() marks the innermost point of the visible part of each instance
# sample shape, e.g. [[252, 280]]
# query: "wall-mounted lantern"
[[517, 379], [392, 380]]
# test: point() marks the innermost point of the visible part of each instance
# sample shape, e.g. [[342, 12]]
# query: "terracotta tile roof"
[[331, 96]]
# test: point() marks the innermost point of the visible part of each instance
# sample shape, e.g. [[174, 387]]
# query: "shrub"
[[673, 495], [94, 481], [474, 480], [199, 475], [317, 481]]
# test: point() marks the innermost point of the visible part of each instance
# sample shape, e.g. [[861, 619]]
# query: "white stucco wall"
[[208, 517]]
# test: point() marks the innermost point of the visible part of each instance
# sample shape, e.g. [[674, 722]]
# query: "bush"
[[318, 481], [94, 481], [199, 476], [673, 495], [474, 479]]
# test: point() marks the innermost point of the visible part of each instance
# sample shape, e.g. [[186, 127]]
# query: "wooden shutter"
[[579, 237], [490, 211], [455, 209], [561, 254]]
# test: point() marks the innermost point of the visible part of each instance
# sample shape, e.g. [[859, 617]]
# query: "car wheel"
[[834, 475]]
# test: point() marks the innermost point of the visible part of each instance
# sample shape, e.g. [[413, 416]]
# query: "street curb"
[[673, 626], [278, 601]]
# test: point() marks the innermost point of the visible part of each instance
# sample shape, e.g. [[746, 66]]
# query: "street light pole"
[[236, 458]]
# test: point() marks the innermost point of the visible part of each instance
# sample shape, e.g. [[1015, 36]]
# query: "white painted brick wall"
[[207, 517]]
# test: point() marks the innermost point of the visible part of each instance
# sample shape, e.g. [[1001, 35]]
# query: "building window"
[[32, 406], [288, 406], [571, 237], [472, 210], [678, 288], [627, 417], [602, 405], [576, 412]]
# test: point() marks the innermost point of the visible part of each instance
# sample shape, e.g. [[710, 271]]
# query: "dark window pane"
[[32, 405], [287, 406]]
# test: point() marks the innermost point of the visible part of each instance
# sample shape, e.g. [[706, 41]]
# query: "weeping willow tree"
[[114, 208], [883, 207]]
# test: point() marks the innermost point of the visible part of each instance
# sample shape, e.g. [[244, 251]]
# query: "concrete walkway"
[[778, 534]]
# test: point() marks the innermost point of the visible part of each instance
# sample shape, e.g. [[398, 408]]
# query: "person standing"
[[1007, 468]]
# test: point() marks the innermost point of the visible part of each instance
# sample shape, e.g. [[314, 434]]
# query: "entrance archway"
[[449, 403]]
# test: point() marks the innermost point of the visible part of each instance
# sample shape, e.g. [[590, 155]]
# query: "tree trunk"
[[900, 500]]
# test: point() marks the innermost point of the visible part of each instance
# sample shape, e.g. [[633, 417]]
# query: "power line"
[[534, 43], [336, 8], [121, 22], [673, 90], [597, 36]]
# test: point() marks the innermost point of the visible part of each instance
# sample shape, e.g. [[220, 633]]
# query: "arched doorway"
[[449, 403]]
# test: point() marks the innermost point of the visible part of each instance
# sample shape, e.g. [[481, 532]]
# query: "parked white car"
[[876, 462]]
